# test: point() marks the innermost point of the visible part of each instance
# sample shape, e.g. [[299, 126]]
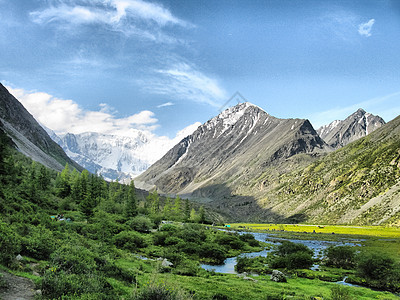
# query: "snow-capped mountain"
[[342, 132], [115, 156]]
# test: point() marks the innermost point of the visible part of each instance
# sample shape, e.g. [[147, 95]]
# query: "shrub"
[[287, 248], [229, 240], [292, 256], [39, 243], [252, 265], [249, 239], [340, 293], [73, 259], [141, 224], [374, 265], [159, 291], [130, 240], [299, 260], [379, 271], [9, 244], [214, 252], [56, 284], [341, 256]]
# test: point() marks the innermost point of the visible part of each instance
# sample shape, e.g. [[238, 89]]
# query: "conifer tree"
[[167, 208], [131, 209], [186, 210], [202, 215], [177, 207]]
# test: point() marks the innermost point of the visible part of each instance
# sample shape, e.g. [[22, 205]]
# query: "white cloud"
[[165, 104], [365, 28], [132, 17], [64, 116], [185, 82]]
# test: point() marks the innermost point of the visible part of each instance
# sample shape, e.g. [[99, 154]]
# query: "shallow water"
[[318, 246]]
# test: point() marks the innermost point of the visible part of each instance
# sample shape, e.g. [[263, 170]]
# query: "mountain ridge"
[[27, 134]]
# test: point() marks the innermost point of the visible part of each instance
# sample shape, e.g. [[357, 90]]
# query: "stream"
[[318, 246]]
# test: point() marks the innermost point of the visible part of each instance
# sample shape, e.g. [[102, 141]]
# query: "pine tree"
[[43, 178], [186, 210], [167, 208], [155, 202], [193, 216], [177, 208], [202, 215], [131, 209]]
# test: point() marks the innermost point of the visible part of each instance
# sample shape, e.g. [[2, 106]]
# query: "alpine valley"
[[251, 166]]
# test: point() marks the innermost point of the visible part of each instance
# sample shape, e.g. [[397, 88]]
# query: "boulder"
[[278, 276]]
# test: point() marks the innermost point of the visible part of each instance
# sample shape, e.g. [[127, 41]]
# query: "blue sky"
[[160, 66]]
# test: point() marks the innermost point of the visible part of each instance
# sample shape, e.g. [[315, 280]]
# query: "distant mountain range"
[[28, 136]]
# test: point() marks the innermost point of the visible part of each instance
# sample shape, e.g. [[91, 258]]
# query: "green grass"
[[375, 231], [237, 289]]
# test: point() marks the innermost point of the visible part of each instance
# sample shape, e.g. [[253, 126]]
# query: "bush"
[[287, 248], [73, 259], [141, 224], [230, 240], [56, 284], [154, 291], [374, 265], [9, 244], [292, 256], [340, 293], [130, 240], [379, 271], [340, 256], [252, 265], [249, 239], [39, 243], [214, 252]]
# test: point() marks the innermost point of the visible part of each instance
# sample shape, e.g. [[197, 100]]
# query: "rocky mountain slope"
[[340, 133], [223, 155], [359, 183], [29, 137]]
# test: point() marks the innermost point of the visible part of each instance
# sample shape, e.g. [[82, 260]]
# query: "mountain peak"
[[361, 111], [359, 124]]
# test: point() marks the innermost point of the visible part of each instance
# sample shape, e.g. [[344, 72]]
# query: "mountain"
[[357, 184], [115, 157], [340, 133], [28, 136], [220, 159]]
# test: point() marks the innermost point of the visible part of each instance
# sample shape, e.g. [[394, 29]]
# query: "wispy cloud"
[[187, 83], [64, 116], [165, 104], [132, 17], [374, 105], [365, 28]]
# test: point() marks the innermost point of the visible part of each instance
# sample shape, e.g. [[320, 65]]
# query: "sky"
[[115, 66]]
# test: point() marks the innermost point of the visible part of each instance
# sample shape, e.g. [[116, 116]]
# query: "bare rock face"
[[29, 137], [340, 133]]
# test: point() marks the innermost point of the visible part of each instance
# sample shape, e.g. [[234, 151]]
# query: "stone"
[[19, 257], [278, 276]]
